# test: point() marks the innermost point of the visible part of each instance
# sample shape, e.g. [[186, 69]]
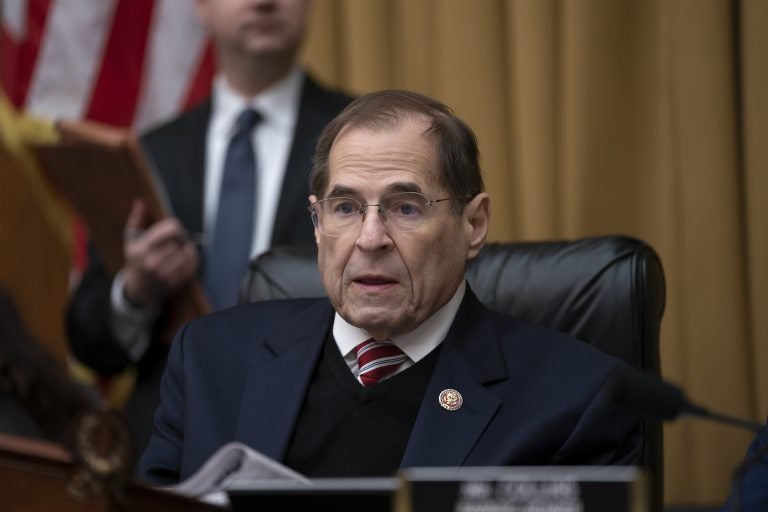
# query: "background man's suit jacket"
[[177, 150], [531, 395], [751, 495]]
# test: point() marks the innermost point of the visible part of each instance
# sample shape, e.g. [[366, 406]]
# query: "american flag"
[[128, 63]]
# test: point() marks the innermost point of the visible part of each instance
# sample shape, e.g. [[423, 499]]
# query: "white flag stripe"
[[176, 44], [13, 14], [70, 57]]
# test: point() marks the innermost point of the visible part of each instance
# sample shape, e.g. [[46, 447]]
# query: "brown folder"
[[100, 170]]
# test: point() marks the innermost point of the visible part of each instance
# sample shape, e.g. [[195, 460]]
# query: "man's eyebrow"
[[340, 191], [403, 186], [398, 186]]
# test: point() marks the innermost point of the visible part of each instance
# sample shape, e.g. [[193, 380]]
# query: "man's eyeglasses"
[[403, 211]]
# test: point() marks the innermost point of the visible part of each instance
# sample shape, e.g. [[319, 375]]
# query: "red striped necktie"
[[377, 360]]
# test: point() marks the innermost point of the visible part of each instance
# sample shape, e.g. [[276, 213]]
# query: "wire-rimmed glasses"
[[403, 211]]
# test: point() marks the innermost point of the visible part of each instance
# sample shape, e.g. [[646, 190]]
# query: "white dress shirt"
[[272, 138]]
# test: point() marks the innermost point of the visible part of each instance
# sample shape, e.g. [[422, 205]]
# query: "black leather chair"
[[608, 291]]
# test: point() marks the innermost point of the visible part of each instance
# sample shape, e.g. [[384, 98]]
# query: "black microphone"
[[653, 397]]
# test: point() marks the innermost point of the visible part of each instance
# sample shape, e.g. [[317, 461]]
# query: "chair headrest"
[[608, 291]]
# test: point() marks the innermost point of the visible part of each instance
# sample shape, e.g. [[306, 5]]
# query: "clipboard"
[[100, 170]]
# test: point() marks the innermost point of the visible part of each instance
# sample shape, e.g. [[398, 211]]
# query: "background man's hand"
[[159, 259]]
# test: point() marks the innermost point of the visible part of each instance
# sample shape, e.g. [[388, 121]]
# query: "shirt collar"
[[415, 344], [278, 105]]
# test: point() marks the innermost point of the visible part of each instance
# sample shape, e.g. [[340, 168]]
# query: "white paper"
[[231, 463]]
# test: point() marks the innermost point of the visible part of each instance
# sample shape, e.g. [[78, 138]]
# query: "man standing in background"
[[235, 169]]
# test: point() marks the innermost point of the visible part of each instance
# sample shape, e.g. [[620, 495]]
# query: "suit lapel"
[[268, 411], [178, 151], [469, 359], [294, 192], [196, 167]]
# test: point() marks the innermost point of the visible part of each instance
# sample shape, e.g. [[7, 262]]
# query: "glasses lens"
[[405, 210], [336, 215]]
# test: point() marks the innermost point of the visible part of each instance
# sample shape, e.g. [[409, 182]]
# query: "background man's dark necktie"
[[227, 257]]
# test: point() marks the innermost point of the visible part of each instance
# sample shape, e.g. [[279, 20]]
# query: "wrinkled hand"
[[159, 260]]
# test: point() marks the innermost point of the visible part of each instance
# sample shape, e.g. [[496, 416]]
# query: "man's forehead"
[[394, 156], [394, 163], [405, 143], [415, 125]]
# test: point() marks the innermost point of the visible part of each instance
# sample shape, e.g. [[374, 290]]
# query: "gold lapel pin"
[[450, 399]]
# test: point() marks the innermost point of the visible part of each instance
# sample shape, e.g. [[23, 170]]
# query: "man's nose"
[[373, 232]]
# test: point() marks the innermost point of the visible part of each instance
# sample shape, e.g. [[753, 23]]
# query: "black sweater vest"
[[345, 429]]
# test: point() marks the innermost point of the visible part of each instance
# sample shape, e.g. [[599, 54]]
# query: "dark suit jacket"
[[531, 395], [751, 492], [177, 151]]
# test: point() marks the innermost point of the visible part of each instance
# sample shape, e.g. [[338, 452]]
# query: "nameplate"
[[523, 489]]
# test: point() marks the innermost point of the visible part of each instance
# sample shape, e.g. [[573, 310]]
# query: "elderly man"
[[401, 365]]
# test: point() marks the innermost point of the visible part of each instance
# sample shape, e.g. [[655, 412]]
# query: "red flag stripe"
[[17, 58], [118, 85], [200, 85]]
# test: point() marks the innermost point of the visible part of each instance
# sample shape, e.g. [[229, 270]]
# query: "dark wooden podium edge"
[[34, 475], [26, 453]]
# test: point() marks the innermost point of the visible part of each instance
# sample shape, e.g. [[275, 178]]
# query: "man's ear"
[[477, 216]]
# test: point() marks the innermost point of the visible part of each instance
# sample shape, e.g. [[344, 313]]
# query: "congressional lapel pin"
[[450, 399]]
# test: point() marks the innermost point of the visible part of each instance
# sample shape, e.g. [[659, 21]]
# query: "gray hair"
[[459, 158]]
